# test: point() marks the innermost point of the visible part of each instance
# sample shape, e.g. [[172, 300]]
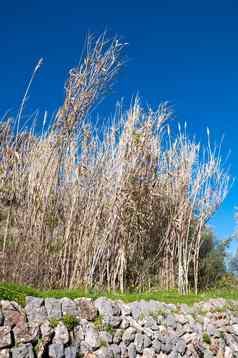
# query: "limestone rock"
[[13, 313], [5, 337], [61, 334], [24, 351], [92, 338], [35, 309], [5, 353], [53, 308], [69, 307], [56, 350], [87, 309], [128, 335]]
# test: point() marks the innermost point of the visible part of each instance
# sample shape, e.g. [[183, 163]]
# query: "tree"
[[212, 266]]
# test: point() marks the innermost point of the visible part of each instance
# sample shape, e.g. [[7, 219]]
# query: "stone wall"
[[102, 328]]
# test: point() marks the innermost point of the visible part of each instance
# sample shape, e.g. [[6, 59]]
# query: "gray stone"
[[132, 351], [69, 307], [116, 309], [78, 334], [1, 318], [157, 346], [87, 309], [103, 352], [228, 353], [118, 336], [231, 342], [61, 334], [139, 342], [24, 351], [235, 329], [5, 337], [105, 337], [53, 308], [84, 348], [24, 333], [129, 335], [34, 301], [166, 348], [125, 309], [211, 330], [171, 321], [208, 354], [56, 350], [5, 353], [104, 307], [125, 323], [116, 350], [181, 319], [13, 313], [35, 309], [142, 308], [114, 321], [124, 351], [92, 337], [147, 342], [150, 322], [46, 329], [180, 347], [70, 352], [149, 353]]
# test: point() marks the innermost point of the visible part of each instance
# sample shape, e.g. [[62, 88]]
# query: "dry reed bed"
[[119, 210]]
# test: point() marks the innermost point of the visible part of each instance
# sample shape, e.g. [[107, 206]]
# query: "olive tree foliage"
[[111, 211]]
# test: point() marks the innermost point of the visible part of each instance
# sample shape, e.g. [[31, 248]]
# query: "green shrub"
[[206, 338]]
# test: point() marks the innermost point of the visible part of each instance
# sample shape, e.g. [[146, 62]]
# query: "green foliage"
[[206, 338], [70, 321], [212, 266], [99, 322], [228, 281], [101, 326], [233, 264], [54, 322]]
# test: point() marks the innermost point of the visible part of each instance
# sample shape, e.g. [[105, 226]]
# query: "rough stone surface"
[[5, 353], [53, 308], [35, 309], [129, 335], [25, 351], [70, 352], [61, 334], [13, 314], [87, 309], [69, 307], [56, 350], [5, 337], [23, 333], [92, 337], [132, 351], [139, 329]]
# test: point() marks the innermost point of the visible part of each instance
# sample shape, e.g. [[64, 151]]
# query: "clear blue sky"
[[185, 52]]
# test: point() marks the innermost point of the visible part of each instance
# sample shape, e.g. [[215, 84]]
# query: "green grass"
[[14, 292]]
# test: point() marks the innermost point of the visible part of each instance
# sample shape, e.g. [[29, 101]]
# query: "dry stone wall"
[[65, 328]]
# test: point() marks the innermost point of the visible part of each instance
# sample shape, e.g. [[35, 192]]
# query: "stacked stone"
[[113, 329]]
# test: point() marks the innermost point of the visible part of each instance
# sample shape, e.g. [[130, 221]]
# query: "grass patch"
[[69, 321], [206, 338], [18, 293]]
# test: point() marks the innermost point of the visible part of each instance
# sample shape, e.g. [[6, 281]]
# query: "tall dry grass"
[[123, 209]]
